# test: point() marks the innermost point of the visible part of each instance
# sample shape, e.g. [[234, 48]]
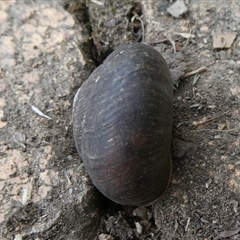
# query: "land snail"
[[122, 124]]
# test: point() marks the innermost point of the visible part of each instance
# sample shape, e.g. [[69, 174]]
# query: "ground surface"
[[47, 49]]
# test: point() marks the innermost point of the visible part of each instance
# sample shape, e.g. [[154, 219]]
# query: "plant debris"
[[178, 8], [223, 40]]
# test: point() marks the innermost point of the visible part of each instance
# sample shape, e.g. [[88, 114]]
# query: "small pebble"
[[138, 227], [104, 237], [177, 9]]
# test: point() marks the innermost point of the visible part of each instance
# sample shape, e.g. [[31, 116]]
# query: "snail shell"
[[122, 124]]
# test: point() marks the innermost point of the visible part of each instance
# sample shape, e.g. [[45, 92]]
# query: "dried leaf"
[[223, 40], [222, 126]]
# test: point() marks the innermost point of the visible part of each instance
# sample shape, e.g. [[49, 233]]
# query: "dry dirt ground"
[[47, 49]]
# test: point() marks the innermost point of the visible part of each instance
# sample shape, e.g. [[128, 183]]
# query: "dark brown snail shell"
[[122, 118]]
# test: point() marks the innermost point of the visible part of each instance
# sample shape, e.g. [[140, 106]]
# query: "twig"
[[186, 227], [214, 130], [153, 42], [198, 71], [210, 119], [189, 36], [170, 39], [68, 179]]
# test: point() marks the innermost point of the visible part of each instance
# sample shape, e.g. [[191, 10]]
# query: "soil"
[[47, 50]]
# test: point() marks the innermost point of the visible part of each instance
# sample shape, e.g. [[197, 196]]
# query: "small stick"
[[170, 39], [68, 179], [153, 42], [187, 40], [214, 130], [210, 119], [198, 71], [186, 227]]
